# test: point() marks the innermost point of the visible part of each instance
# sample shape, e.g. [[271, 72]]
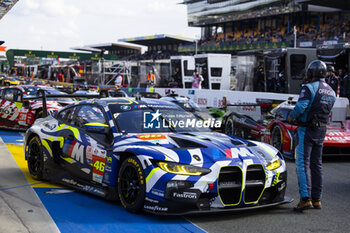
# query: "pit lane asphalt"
[[333, 217]]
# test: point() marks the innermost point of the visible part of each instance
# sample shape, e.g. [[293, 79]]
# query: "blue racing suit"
[[315, 103]]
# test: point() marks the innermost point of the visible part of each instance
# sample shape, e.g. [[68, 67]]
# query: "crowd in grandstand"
[[335, 30], [150, 55]]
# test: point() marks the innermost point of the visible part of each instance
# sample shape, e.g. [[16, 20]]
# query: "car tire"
[[277, 138], [131, 185], [35, 159], [229, 127]]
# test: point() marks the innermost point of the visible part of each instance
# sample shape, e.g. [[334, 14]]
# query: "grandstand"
[[5, 6], [231, 25]]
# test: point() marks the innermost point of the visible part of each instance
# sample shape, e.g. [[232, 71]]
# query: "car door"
[[85, 152]]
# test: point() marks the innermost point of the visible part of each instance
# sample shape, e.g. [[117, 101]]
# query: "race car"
[[135, 151], [9, 81], [19, 112], [277, 131], [188, 105], [243, 126]]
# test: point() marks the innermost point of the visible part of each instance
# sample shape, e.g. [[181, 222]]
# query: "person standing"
[[151, 78], [119, 81], [341, 76], [197, 80], [312, 112], [332, 80]]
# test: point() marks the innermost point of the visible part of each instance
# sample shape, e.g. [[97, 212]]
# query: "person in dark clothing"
[[259, 79], [177, 80], [332, 80], [311, 113], [346, 86], [341, 76]]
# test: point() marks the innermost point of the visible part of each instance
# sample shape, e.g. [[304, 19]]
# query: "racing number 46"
[[99, 166]]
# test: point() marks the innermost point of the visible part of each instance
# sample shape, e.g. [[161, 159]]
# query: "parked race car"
[[9, 81], [19, 112], [123, 148], [277, 131], [188, 105]]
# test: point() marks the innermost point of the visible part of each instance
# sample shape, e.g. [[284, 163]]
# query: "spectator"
[[119, 81], [197, 80], [332, 80]]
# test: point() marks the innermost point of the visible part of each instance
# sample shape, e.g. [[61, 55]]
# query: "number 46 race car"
[[135, 151]]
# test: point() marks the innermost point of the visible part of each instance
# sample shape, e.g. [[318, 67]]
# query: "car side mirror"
[[96, 127]]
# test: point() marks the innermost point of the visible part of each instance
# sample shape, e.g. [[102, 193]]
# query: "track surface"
[[42, 207], [334, 216]]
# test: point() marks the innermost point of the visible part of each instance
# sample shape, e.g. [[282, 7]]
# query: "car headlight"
[[274, 164], [182, 169]]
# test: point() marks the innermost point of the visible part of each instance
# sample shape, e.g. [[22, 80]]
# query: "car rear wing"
[[41, 95]]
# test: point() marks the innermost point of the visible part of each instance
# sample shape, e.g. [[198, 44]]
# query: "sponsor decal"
[[108, 168], [185, 195], [275, 179], [140, 106], [337, 139], [89, 152], [74, 150], [283, 185], [7, 111], [202, 101], [150, 136], [155, 208], [158, 192], [97, 178], [152, 120], [151, 200], [238, 152], [109, 160]]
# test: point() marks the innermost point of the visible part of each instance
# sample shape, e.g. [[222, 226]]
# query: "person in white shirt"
[[118, 81]]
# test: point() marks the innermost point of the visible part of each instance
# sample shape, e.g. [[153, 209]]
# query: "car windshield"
[[30, 91], [33, 91], [188, 105], [155, 118], [282, 114]]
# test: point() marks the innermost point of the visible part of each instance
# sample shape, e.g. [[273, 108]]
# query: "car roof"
[[174, 98], [128, 101]]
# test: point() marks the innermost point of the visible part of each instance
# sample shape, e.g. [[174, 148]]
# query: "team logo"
[[125, 107], [151, 120]]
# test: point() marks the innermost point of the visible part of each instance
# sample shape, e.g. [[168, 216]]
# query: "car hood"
[[200, 148]]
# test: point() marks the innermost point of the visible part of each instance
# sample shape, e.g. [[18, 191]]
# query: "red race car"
[[277, 131], [18, 113], [283, 135]]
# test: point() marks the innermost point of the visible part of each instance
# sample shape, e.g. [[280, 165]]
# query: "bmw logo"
[[125, 107]]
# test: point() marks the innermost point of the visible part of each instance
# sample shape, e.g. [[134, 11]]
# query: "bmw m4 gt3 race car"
[[154, 156]]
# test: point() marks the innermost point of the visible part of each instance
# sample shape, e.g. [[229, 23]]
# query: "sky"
[[62, 24]]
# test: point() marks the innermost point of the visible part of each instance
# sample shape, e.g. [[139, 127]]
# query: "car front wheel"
[[35, 158], [131, 184], [277, 138]]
